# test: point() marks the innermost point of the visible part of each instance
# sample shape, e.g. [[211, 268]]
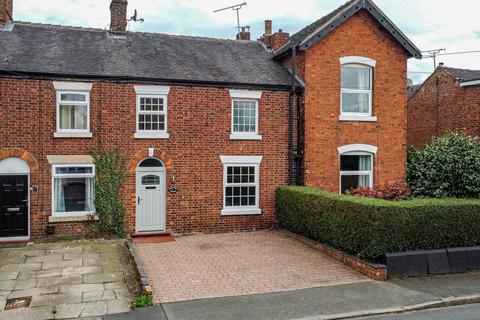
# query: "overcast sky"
[[430, 24]]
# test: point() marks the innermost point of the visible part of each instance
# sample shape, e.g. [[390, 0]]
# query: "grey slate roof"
[[323, 26], [68, 51], [463, 75]]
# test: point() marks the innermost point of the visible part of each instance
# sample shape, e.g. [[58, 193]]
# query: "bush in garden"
[[448, 167], [396, 190]]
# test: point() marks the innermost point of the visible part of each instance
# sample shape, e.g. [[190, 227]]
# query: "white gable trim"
[[469, 83], [241, 159], [72, 86], [358, 60], [357, 147], [160, 90], [245, 94]]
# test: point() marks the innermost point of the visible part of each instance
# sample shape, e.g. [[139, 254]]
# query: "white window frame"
[[246, 95], [363, 63], [360, 150], [60, 175], [72, 133], [242, 161], [152, 92]]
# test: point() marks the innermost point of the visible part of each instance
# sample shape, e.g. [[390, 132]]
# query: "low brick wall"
[[142, 275], [372, 270]]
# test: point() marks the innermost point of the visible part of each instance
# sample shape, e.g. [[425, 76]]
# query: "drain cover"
[[18, 303]]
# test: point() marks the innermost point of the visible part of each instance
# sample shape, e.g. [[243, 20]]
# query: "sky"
[[430, 24]]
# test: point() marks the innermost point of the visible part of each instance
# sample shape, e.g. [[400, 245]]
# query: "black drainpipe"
[[299, 155], [291, 176]]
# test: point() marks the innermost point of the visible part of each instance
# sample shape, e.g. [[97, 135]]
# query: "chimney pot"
[[6, 11], [118, 16], [244, 33]]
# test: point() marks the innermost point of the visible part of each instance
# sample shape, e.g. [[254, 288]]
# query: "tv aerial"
[[135, 19], [236, 8]]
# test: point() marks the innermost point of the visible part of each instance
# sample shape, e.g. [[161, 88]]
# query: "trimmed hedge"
[[368, 228]]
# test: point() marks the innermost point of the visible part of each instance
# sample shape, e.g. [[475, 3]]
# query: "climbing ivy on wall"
[[109, 220]]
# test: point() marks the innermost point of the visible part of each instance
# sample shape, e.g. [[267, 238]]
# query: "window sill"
[[245, 136], [72, 135], [160, 135], [70, 218], [241, 211], [358, 118]]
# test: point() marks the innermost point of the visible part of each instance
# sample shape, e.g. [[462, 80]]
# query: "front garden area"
[[439, 208]]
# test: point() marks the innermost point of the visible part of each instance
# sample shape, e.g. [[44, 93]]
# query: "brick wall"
[[360, 35], [441, 105], [199, 126]]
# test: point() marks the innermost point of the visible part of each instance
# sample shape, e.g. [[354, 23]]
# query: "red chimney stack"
[[274, 41], [118, 16], [6, 11]]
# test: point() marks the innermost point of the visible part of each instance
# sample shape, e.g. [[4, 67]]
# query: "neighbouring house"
[[209, 127], [448, 100]]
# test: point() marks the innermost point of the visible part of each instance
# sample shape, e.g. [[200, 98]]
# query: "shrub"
[[142, 301], [391, 191], [109, 173], [368, 228], [448, 166]]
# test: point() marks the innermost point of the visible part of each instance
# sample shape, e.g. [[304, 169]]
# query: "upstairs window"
[[356, 88], [152, 112], [73, 109], [245, 114]]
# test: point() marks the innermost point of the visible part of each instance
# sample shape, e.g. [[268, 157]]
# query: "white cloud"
[[430, 24]]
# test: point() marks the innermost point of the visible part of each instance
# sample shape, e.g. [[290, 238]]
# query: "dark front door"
[[13, 206]]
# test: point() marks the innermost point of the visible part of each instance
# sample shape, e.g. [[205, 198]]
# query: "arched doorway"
[[151, 196], [14, 198]]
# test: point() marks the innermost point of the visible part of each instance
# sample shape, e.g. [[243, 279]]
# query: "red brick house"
[[209, 127], [448, 100]]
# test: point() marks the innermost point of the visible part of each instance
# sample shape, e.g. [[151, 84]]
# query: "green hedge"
[[368, 228]]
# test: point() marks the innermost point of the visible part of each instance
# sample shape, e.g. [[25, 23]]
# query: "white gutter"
[[469, 83]]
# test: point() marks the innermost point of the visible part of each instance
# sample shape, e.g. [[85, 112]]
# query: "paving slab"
[[82, 287], [118, 306], [7, 285], [68, 311], [20, 267], [26, 284], [45, 258], [3, 303], [76, 271], [56, 299], [4, 294], [49, 281], [9, 275], [17, 259], [32, 292], [93, 309], [40, 313], [62, 264], [27, 275]]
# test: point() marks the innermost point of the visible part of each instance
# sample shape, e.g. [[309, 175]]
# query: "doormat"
[[13, 244], [153, 239]]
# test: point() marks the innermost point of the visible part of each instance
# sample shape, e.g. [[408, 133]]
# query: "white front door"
[[151, 199]]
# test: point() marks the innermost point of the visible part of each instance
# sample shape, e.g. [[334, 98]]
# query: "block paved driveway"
[[64, 280], [219, 265]]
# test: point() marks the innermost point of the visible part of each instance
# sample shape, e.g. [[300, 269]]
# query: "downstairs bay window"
[[73, 190]]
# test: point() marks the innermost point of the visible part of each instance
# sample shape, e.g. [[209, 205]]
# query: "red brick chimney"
[[276, 40], [6, 11], [279, 39], [244, 33], [118, 16]]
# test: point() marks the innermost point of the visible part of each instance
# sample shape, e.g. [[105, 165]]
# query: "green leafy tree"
[[449, 166], [110, 177]]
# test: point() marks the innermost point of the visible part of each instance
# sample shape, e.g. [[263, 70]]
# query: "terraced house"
[[209, 127]]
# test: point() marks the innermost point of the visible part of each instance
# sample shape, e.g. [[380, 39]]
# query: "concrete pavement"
[[466, 312], [334, 302]]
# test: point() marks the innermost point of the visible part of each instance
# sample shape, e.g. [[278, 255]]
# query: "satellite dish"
[[409, 82]]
